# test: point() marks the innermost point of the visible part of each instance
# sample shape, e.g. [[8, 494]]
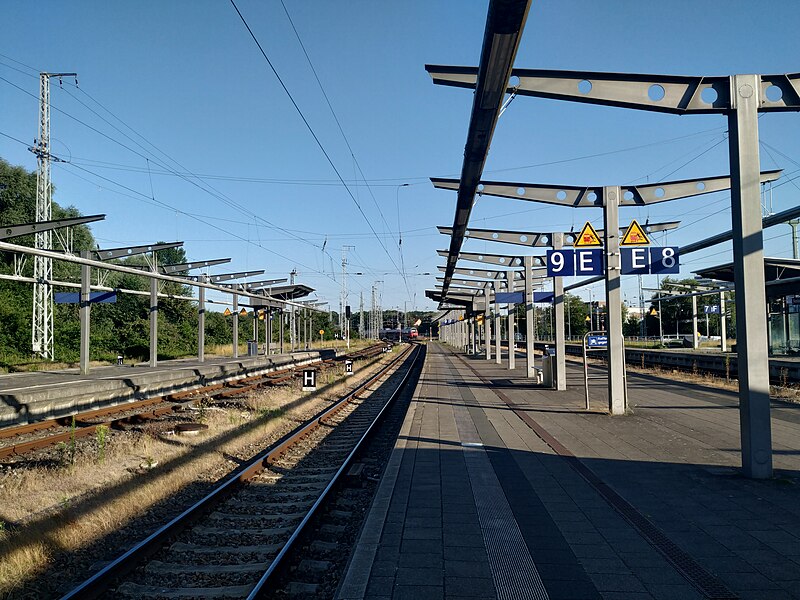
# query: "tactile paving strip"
[[708, 584], [513, 570]]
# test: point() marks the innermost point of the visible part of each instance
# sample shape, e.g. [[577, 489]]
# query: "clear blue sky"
[[188, 78]]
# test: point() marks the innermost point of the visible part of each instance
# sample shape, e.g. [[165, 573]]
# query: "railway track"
[[235, 541], [24, 439]]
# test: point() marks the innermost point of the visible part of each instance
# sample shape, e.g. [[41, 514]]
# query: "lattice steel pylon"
[[42, 327]]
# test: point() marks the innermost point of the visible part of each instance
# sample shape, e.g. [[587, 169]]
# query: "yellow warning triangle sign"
[[634, 236], [588, 236], [227, 312]]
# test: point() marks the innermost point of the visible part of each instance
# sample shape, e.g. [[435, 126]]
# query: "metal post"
[[154, 314], [487, 319], [280, 329], [292, 318], [748, 255], [201, 323], [497, 332], [236, 326], [695, 341], [660, 324], [529, 358], [85, 312], [723, 323], [512, 360], [616, 352], [472, 335], [793, 224], [560, 378]]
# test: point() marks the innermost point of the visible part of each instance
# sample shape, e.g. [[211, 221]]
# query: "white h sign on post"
[[309, 380]]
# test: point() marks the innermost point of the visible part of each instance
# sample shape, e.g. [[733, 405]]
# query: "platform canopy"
[[287, 292], [782, 275]]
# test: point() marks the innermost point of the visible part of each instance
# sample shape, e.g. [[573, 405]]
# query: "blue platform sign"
[[581, 261], [75, 297], [635, 261], [589, 262], [597, 341], [711, 310], [664, 260], [560, 263], [509, 298]]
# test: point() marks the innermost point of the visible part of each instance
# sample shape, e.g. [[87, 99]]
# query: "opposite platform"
[[498, 488], [28, 397]]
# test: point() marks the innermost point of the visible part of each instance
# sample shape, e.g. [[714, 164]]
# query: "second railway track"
[[233, 542], [20, 440]]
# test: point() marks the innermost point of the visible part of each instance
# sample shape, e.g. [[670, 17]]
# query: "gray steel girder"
[[12, 231], [111, 253], [677, 94], [505, 260], [591, 196]]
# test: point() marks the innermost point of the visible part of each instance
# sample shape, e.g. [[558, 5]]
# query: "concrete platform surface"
[[497, 488]]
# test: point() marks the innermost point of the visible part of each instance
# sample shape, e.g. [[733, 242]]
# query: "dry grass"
[[227, 349], [89, 500]]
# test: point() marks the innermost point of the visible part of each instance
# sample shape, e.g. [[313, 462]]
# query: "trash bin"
[[252, 348], [548, 363]]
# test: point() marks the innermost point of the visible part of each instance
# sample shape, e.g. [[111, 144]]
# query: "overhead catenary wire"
[[186, 175], [313, 134]]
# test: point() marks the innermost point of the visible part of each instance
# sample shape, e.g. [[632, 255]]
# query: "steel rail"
[[277, 563], [84, 429], [99, 583]]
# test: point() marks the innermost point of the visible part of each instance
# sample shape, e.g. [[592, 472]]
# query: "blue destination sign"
[[519, 297], [581, 261], [663, 260], [75, 297], [656, 260], [509, 298], [597, 341]]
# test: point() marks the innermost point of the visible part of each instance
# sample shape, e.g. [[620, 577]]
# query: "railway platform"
[[499, 488], [29, 397]]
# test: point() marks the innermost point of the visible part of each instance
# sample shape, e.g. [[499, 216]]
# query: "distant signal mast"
[[42, 330]]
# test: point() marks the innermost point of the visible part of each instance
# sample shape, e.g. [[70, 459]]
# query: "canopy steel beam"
[[676, 94], [225, 276], [456, 289], [30, 228], [503, 260], [487, 274], [254, 285], [189, 266], [591, 196], [498, 283], [112, 253], [504, 24]]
